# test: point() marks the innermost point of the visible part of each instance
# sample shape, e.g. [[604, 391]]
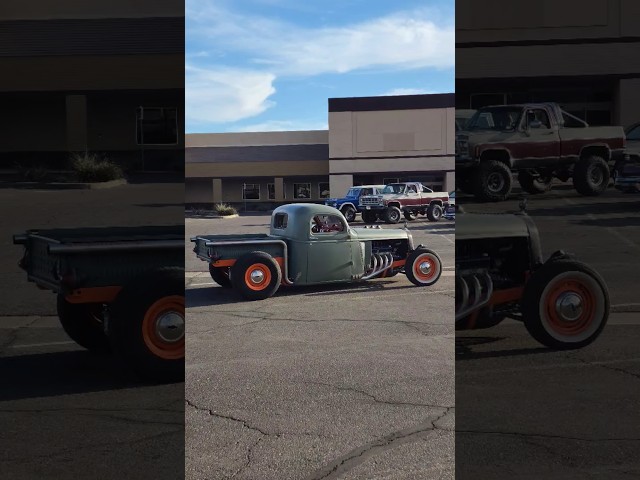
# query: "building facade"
[[93, 76], [581, 54], [371, 140]]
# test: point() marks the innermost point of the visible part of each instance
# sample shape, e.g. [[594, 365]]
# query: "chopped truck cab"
[[408, 198], [501, 273], [312, 244], [349, 205], [539, 142], [120, 288]]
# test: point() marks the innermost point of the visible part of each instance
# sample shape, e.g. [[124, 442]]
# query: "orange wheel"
[[423, 267], [163, 328], [256, 275], [565, 304]]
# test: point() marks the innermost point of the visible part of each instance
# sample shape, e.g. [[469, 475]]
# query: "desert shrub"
[[91, 167], [224, 209]]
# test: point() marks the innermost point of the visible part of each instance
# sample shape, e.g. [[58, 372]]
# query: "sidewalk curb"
[[209, 216]]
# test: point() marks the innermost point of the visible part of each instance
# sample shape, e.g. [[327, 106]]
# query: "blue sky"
[[264, 65]]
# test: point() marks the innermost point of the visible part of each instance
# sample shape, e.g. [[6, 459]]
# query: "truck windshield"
[[353, 192], [495, 118], [394, 188]]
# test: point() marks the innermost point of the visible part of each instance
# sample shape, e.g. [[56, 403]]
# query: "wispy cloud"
[[220, 94], [404, 40], [282, 125], [406, 91]]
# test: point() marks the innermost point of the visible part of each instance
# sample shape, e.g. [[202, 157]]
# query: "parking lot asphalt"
[[524, 411], [352, 381], [65, 413]]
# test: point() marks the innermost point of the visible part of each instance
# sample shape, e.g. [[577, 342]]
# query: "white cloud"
[[406, 91], [282, 125], [404, 40], [220, 94]]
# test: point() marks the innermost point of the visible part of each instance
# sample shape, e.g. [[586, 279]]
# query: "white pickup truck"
[[408, 198]]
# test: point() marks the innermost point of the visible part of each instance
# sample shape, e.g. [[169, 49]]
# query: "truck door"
[[541, 140], [413, 196], [329, 250]]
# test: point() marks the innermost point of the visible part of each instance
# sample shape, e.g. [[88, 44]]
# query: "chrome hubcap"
[[569, 306], [425, 267], [257, 276], [170, 327]]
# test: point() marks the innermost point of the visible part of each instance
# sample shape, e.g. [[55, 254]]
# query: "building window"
[[301, 190], [387, 181], [323, 188], [271, 187], [157, 126], [251, 191]]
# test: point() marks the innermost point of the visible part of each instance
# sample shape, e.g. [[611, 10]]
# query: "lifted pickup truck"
[[117, 288], [408, 198], [349, 205], [540, 142], [311, 244]]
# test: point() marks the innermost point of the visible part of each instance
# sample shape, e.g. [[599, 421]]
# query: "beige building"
[[582, 54], [98, 76], [371, 140]]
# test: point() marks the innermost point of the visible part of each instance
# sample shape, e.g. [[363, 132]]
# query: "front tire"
[[534, 184], [147, 324], [256, 276], [423, 267], [434, 212], [83, 323], [369, 216], [392, 215], [493, 181], [565, 304], [591, 175], [349, 213]]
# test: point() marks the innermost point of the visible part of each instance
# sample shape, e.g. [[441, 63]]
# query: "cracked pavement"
[[350, 382], [526, 412], [67, 414]]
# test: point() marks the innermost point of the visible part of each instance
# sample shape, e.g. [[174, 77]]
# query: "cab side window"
[[327, 224], [412, 189]]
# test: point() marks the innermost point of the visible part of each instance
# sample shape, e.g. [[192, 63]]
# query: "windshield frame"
[[516, 124], [392, 191]]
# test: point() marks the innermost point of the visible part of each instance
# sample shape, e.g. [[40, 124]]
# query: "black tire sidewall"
[[78, 324], [431, 215], [369, 216], [392, 215], [243, 263], [581, 178], [218, 276], [349, 213], [486, 169], [411, 259]]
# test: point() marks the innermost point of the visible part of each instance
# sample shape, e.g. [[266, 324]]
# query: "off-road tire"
[[220, 275], [349, 213], [409, 215], [157, 296], [493, 181], [558, 283], [532, 184], [369, 216], [418, 276], [591, 175], [83, 323], [267, 280], [434, 212], [392, 215]]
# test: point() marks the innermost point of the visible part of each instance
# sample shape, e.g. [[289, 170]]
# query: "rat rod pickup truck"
[[118, 288], [539, 142], [408, 198], [501, 273], [311, 244]]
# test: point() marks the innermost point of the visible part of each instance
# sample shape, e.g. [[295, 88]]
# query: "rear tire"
[[147, 324], [369, 216], [591, 175], [83, 323], [220, 275], [256, 276], [409, 216], [493, 181], [534, 184], [423, 267], [349, 213], [565, 304], [434, 212]]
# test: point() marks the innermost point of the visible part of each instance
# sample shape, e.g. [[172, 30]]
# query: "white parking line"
[[36, 345], [577, 364]]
